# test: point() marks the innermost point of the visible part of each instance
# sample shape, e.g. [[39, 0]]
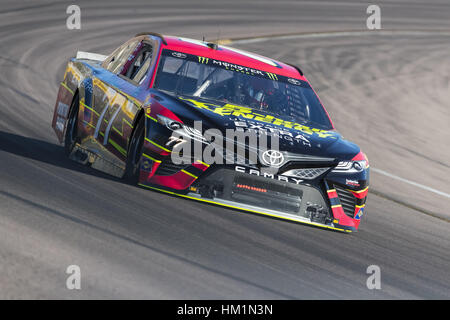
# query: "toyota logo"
[[272, 158]]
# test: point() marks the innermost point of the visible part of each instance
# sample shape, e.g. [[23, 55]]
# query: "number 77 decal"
[[108, 129], [121, 101]]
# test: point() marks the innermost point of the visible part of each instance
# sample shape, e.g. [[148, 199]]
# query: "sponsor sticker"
[[179, 55], [350, 182], [359, 214]]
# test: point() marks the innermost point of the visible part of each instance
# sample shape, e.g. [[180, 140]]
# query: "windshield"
[[189, 75]]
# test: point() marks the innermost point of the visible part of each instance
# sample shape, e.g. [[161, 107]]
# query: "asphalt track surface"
[[388, 92]]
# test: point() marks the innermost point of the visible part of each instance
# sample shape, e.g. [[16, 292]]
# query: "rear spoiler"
[[90, 56]]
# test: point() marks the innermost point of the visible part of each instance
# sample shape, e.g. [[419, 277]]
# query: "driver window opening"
[[138, 63]]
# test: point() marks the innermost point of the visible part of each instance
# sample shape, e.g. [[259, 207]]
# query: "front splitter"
[[253, 209]]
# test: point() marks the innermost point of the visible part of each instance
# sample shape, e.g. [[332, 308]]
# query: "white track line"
[[355, 33], [421, 186], [337, 34]]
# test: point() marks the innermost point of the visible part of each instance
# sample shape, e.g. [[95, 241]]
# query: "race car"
[[136, 113]]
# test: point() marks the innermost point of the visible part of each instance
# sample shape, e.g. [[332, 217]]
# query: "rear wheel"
[[135, 153], [70, 137]]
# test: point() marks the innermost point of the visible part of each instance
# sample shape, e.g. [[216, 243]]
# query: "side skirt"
[[89, 158]]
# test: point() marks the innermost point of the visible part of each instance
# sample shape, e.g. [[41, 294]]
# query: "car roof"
[[231, 55]]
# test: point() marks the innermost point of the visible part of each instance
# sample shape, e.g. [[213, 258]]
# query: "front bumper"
[[316, 203]]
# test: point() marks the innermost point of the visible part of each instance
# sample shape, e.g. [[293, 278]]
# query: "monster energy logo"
[[203, 60], [272, 76], [238, 68]]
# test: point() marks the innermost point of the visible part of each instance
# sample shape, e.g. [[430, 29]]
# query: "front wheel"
[[135, 153]]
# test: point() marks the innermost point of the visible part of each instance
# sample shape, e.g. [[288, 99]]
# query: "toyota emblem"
[[272, 158]]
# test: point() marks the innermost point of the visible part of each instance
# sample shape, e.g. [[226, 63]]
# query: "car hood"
[[297, 138]]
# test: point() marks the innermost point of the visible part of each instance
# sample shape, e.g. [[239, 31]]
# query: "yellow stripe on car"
[[155, 144], [363, 190], [89, 108], [150, 117], [201, 162], [189, 174], [153, 159], [117, 147], [65, 86]]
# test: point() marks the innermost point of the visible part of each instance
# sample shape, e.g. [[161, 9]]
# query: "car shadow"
[[45, 152]]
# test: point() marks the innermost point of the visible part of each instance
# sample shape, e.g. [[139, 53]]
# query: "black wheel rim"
[[136, 151], [71, 130]]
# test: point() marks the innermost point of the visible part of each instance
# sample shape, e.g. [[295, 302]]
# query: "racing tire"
[[70, 137], [134, 155]]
